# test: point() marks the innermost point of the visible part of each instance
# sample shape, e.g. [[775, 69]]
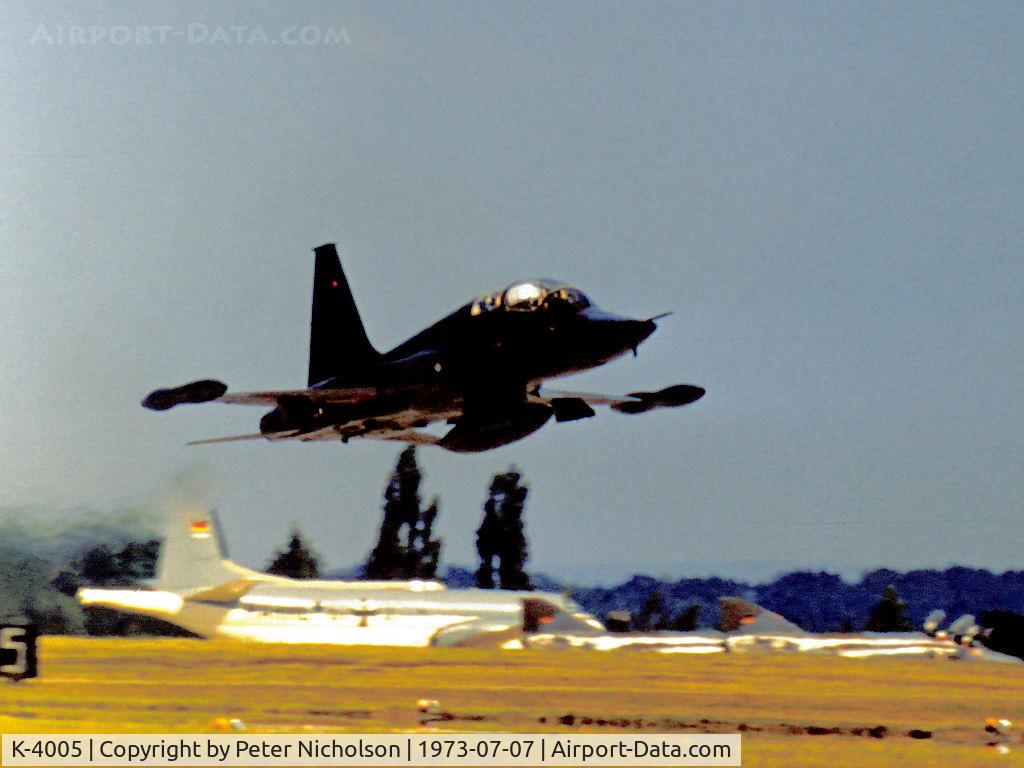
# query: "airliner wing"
[[225, 593]]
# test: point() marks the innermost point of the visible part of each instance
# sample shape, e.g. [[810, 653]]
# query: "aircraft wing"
[[211, 390], [577, 404], [228, 439], [274, 396], [414, 436]]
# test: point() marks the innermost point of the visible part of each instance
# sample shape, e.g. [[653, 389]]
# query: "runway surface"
[[792, 709]]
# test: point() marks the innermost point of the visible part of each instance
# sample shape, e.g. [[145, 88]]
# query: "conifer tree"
[[488, 538], [687, 620], [889, 614], [406, 548], [296, 561], [423, 549], [652, 614], [502, 535]]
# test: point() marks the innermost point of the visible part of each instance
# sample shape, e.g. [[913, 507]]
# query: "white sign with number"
[[17, 651]]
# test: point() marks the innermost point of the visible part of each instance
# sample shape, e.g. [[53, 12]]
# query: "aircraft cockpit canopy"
[[531, 295]]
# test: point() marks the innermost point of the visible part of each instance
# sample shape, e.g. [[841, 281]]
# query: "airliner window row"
[[412, 607]]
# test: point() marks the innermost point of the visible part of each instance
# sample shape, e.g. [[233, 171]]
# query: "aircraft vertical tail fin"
[[192, 556], [337, 339], [743, 616]]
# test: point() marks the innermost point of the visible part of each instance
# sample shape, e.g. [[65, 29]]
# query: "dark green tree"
[[49, 619], [652, 615], [137, 560], [425, 550], [25, 593], [502, 534], [889, 613], [687, 620], [416, 556], [488, 542], [296, 561], [102, 566], [1005, 631]]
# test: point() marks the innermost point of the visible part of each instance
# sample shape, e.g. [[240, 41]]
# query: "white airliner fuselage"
[[200, 590]]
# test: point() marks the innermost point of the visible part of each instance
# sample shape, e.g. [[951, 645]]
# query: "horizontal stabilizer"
[[744, 616], [225, 593]]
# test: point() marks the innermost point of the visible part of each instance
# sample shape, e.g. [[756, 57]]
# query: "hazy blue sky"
[[829, 196]]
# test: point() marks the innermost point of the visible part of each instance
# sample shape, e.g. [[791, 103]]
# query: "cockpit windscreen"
[[531, 295]]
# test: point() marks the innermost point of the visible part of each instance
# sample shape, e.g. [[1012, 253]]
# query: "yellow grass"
[[93, 685]]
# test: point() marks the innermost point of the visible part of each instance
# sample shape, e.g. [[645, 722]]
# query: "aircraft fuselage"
[[466, 365]]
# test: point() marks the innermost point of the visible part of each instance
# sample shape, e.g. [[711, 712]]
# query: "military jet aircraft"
[[479, 369]]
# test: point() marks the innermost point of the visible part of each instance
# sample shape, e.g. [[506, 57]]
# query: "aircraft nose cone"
[[638, 330], [608, 334]]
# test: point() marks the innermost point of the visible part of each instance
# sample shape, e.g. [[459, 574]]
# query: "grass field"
[[792, 710]]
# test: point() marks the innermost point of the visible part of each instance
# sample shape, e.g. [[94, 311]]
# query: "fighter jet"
[[480, 370]]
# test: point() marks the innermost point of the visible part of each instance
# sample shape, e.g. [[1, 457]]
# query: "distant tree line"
[[881, 600], [655, 616], [43, 591]]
